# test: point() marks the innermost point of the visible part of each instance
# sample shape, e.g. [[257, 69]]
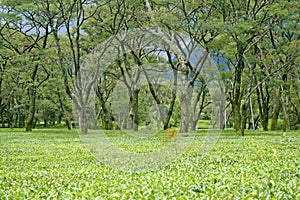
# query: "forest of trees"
[[255, 43]]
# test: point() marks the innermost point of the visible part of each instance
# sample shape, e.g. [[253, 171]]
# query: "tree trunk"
[[21, 119], [134, 108], [170, 111], [83, 125], [106, 116], [160, 115], [2, 119], [172, 104], [196, 114], [285, 90], [263, 105], [276, 109], [64, 111], [244, 117], [194, 125], [237, 94], [237, 119], [61, 62], [185, 106], [236, 102], [35, 121], [222, 114], [69, 124], [30, 119], [123, 120], [1, 105], [285, 108], [59, 119], [286, 119], [32, 98]]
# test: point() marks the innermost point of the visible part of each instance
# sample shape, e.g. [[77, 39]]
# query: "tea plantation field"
[[54, 164]]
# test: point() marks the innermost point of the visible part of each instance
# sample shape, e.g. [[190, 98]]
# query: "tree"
[[245, 25], [18, 25]]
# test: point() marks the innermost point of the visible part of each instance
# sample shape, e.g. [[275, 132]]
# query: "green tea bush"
[[54, 164]]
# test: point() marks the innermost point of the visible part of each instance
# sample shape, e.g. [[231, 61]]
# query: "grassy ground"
[[54, 164]]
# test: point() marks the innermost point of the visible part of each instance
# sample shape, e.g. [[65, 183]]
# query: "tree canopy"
[[255, 45]]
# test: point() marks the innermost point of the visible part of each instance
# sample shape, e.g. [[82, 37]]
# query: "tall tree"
[[246, 23]]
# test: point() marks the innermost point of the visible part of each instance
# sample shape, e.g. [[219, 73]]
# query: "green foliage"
[[258, 41], [53, 163]]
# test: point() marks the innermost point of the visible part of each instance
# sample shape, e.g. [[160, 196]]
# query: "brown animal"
[[169, 133]]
